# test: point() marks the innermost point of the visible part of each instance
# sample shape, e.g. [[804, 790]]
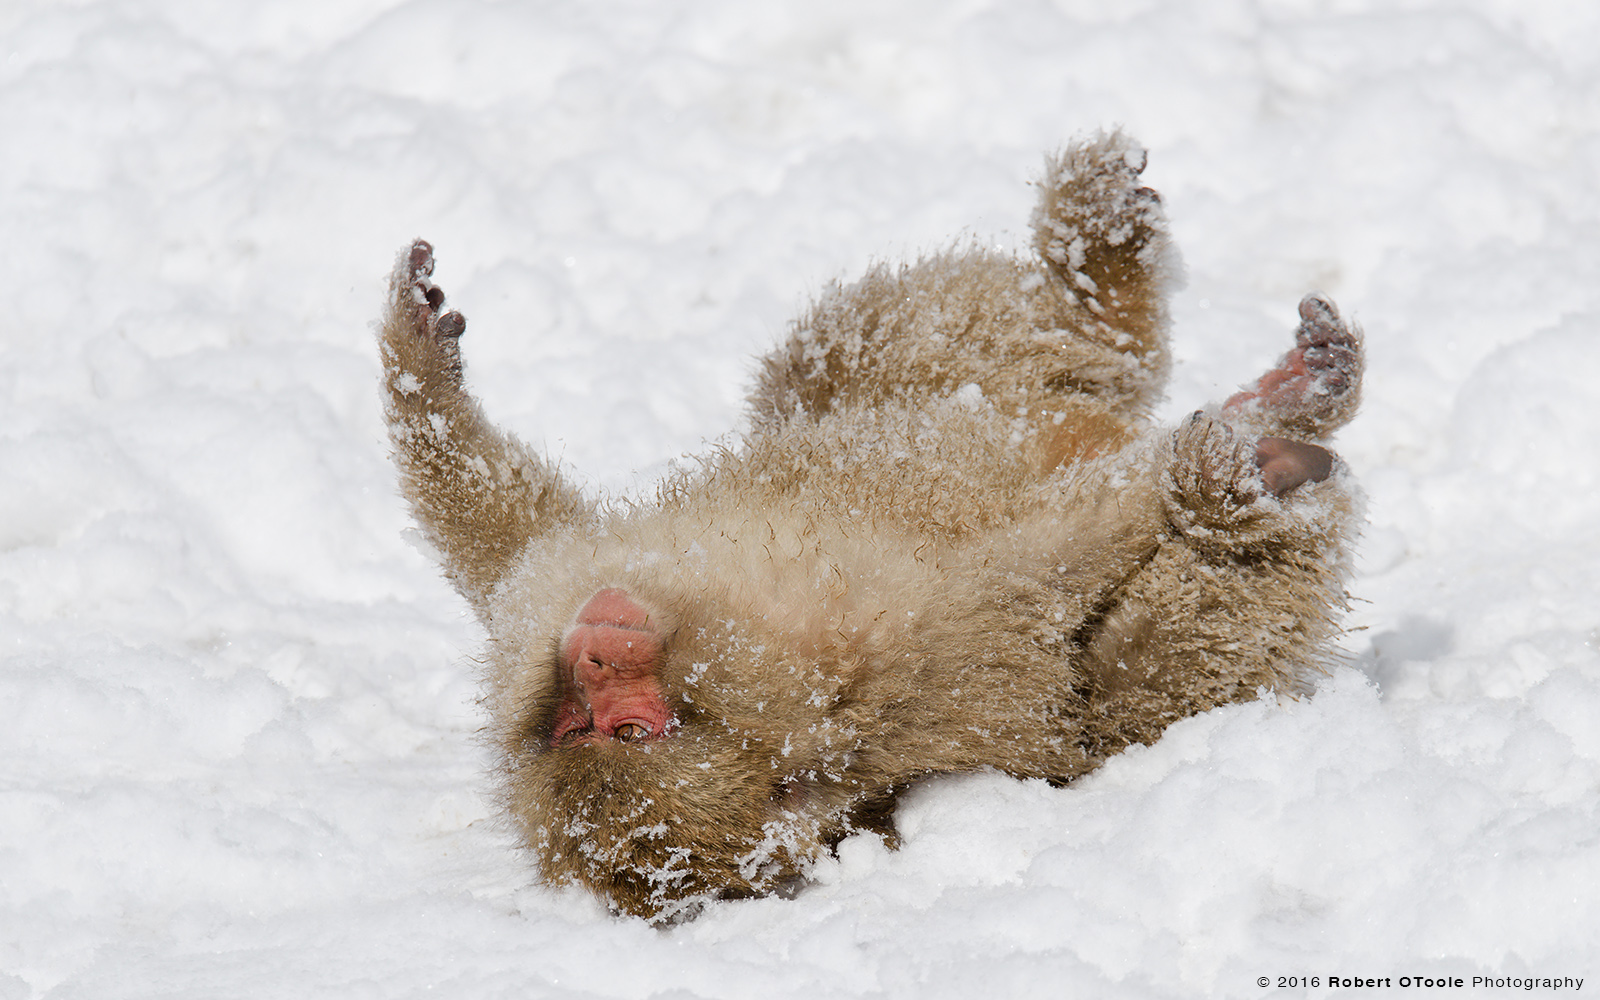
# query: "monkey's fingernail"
[[451, 324], [421, 259]]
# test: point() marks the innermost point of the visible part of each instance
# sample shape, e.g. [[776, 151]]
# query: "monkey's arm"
[[479, 494]]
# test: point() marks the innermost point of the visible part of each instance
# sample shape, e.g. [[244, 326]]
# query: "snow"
[[237, 714]]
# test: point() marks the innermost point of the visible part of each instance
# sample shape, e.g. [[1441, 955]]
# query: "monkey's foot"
[[1102, 232], [1097, 194], [1315, 388]]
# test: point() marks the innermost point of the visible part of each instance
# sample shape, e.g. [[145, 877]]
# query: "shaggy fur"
[[949, 541]]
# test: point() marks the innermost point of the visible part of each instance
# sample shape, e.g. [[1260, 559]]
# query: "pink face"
[[609, 662]]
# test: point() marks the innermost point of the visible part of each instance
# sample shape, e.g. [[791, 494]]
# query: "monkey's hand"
[[422, 343], [1224, 489], [1315, 388]]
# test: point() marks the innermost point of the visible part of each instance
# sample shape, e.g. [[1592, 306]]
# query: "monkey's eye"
[[630, 731]]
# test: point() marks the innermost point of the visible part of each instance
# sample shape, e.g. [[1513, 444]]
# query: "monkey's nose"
[[589, 674]]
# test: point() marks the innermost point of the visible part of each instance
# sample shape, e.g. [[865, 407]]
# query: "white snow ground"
[[236, 707]]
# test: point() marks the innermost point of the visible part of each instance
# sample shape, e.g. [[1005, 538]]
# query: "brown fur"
[[949, 541]]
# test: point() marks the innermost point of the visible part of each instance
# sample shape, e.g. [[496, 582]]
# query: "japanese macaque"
[[947, 540]]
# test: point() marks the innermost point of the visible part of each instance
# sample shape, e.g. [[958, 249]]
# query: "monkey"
[[948, 537]]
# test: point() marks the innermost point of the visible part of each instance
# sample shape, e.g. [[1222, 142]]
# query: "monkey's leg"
[[1315, 388], [478, 494], [1242, 591], [1073, 344], [1246, 580], [1103, 238]]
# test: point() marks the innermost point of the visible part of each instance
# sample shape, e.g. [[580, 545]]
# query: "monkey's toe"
[[1321, 326], [1286, 464]]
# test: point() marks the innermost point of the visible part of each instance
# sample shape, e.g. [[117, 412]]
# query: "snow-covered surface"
[[237, 714]]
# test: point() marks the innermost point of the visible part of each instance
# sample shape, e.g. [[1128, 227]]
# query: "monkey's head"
[[662, 746]]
